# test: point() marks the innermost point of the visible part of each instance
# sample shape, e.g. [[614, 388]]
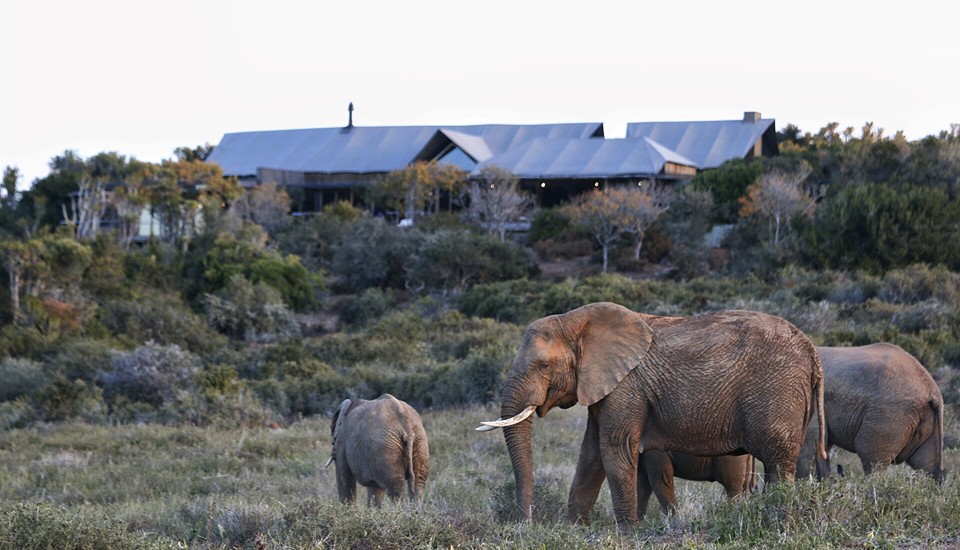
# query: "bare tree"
[[495, 200], [265, 205], [601, 212], [640, 206], [86, 207], [778, 197]]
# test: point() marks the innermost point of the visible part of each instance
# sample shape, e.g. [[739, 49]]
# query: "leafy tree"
[[198, 153], [8, 200], [247, 255], [40, 270], [727, 184], [43, 202], [685, 224], [495, 200], [415, 188]]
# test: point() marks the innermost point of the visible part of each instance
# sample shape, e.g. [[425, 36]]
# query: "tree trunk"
[[14, 271], [636, 253]]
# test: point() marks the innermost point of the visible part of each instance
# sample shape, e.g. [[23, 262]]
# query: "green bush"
[[152, 374], [162, 318], [919, 282], [878, 227], [459, 259], [60, 399], [30, 526], [370, 305], [547, 223], [254, 312], [21, 378], [372, 254]]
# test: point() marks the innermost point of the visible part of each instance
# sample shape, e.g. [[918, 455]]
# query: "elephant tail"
[[818, 382], [937, 406], [411, 474]]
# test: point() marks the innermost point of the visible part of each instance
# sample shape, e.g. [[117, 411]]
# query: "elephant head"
[[576, 357]]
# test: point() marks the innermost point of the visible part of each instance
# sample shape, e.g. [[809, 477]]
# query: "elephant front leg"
[[588, 477], [620, 457]]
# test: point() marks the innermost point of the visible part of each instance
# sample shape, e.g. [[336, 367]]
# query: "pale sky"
[[142, 78]]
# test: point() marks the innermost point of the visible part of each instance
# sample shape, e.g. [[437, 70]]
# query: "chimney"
[[751, 116], [350, 115]]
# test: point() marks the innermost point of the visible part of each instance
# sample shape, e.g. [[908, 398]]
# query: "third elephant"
[[883, 405], [736, 474]]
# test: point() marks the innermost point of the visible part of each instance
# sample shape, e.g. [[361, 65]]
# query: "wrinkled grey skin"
[[381, 445], [722, 383], [657, 470], [883, 405]]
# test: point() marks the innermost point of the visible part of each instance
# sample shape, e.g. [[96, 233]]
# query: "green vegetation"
[[138, 380]]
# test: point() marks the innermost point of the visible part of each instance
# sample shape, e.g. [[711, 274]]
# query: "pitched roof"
[[585, 158], [708, 143], [362, 149]]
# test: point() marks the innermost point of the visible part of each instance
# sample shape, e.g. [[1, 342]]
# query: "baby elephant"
[[380, 444], [883, 405], [657, 470]]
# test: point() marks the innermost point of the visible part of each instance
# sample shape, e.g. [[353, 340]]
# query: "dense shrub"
[[20, 376], [920, 282], [726, 185], [547, 223], [456, 260], [246, 254], [159, 317], [370, 305], [371, 254], [82, 358], [250, 312], [153, 374], [877, 228]]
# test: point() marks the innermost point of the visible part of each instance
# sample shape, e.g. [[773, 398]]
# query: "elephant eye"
[[543, 367]]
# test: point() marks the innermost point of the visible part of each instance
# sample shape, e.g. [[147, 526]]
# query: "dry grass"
[[207, 488]]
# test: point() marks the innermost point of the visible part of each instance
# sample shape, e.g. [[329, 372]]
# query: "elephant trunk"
[[519, 445]]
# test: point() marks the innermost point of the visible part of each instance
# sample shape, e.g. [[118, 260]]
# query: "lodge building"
[[553, 161]]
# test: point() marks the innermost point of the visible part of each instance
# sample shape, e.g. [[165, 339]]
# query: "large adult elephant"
[[732, 382], [380, 444], [883, 405]]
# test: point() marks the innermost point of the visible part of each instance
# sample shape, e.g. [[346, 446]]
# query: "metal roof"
[[585, 158], [361, 149], [708, 143]]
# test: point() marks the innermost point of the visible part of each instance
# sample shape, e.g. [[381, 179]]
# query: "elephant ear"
[[613, 341], [338, 418]]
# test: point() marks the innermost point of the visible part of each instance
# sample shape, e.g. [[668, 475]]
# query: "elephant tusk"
[[504, 422], [329, 460]]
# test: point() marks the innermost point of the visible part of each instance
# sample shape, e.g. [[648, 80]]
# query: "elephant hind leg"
[[873, 463], [374, 496], [779, 469]]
